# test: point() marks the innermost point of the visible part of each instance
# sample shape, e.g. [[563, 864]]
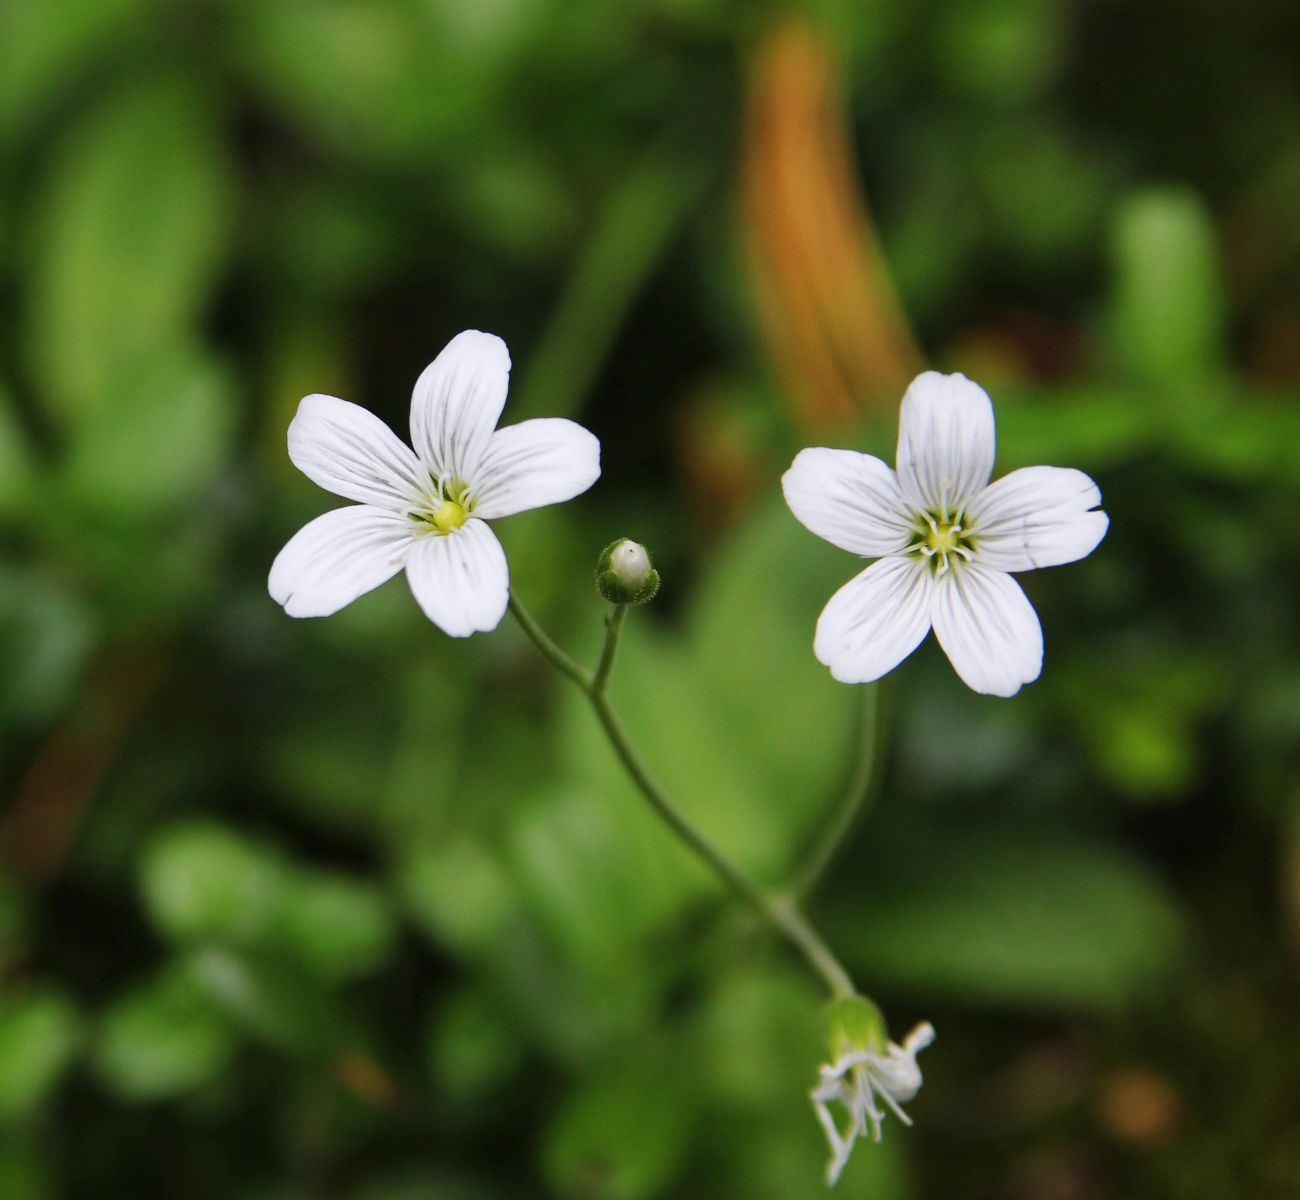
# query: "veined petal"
[[457, 402], [337, 557], [537, 462], [875, 620], [852, 500], [987, 628], [460, 579], [1037, 517], [349, 451], [945, 442]]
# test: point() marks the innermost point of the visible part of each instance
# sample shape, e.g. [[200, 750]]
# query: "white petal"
[[460, 579], [875, 620], [352, 453], [1037, 517], [988, 629], [457, 402], [945, 442], [850, 499], [337, 557], [543, 461]]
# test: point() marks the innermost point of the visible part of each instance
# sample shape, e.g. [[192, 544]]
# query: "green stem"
[[853, 800], [557, 658], [613, 631], [779, 912]]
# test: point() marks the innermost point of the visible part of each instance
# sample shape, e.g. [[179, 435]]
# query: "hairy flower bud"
[[625, 574]]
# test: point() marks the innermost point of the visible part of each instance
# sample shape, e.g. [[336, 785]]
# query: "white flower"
[[630, 563], [855, 1079], [426, 510], [945, 538]]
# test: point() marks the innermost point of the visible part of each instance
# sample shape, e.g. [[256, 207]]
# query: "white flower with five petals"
[[426, 510], [855, 1080], [945, 539]]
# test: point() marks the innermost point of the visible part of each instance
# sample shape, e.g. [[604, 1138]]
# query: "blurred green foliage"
[[345, 909]]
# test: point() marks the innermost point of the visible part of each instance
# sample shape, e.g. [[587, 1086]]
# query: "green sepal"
[[614, 589], [854, 1025]]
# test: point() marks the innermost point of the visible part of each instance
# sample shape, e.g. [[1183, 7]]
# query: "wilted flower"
[[945, 538], [426, 510], [865, 1069]]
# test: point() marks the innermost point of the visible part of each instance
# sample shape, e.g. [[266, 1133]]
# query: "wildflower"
[[865, 1068], [945, 539], [426, 510]]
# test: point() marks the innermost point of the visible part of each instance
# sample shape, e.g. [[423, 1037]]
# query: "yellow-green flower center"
[[943, 540], [448, 516]]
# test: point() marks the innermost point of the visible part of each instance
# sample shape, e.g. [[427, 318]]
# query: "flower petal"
[[945, 442], [337, 557], [875, 620], [987, 628], [1037, 517], [460, 579], [537, 462], [457, 402], [850, 499], [349, 451]]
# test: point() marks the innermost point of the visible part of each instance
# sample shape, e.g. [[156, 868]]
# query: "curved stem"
[[779, 912], [855, 798], [557, 657], [613, 631]]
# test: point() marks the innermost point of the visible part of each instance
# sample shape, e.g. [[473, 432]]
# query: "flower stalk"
[[779, 912]]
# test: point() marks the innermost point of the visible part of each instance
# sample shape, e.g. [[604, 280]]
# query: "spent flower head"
[[426, 510], [946, 541], [865, 1067]]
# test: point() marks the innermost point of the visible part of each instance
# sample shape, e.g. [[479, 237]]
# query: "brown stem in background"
[[825, 301], [37, 831]]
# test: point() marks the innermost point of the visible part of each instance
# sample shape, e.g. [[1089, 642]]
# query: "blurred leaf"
[[458, 892], [157, 448], [337, 927], [472, 1046], [623, 1134], [1168, 313], [764, 589], [627, 240], [45, 47], [18, 468], [200, 880], [38, 1037], [24, 1174], [273, 1002], [163, 1038], [132, 217], [46, 637], [1011, 918]]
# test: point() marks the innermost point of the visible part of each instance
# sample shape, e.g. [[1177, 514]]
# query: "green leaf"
[[472, 1046], [39, 1034], [200, 880], [1168, 310], [18, 467], [623, 1134], [163, 1038], [46, 638], [133, 214], [274, 1002], [45, 47], [158, 446], [797, 725], [1010, 917], [339, 928], [458, 891]]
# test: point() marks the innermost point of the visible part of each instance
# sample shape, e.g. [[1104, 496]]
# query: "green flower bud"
[[855, 1025], [625, 574]]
